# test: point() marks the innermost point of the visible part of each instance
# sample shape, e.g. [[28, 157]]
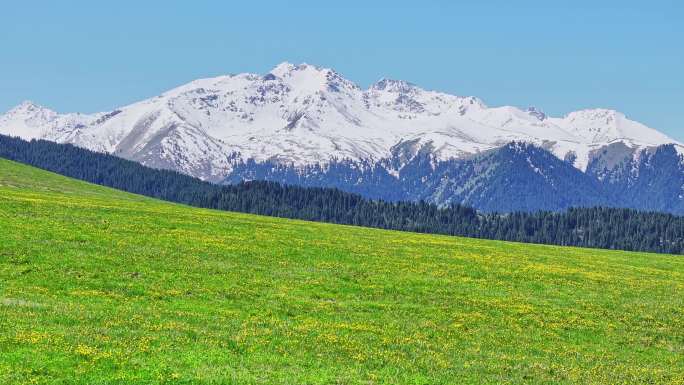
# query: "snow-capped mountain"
[[302, 117]]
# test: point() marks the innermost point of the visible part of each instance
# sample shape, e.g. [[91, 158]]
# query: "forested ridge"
[[610, 228]]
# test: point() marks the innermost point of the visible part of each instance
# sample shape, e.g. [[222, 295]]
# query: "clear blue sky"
[[92, 56]]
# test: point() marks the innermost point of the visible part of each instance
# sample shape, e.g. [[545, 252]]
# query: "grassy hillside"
[[103, 287]]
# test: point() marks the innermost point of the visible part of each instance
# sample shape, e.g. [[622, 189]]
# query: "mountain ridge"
[[321, 114], [304, 118]]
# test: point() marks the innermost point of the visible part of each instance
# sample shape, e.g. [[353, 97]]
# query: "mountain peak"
[[286, 68], [309, 78], [392, 85], [595, 114], [283, 68], [27, 105], [28, 108]]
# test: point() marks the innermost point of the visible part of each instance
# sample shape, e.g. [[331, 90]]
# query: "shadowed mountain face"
[[653, 180], [306, 125], [515, 177]]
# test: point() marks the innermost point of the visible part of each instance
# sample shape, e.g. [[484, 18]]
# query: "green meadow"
[[99, 286]]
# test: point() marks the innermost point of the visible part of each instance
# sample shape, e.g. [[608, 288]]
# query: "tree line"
[[599, 227]]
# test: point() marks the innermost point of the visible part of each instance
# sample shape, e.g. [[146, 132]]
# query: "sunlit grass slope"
[[103, 287]]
